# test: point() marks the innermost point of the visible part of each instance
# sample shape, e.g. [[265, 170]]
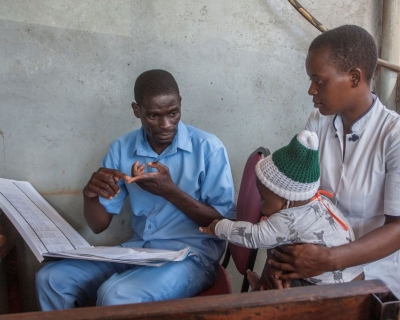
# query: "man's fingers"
[[114, 173], [135, 179], [101, 192], [108, 184], [134, 168], [103, 186], [158, 165], [143, 177], [137, 169], [121, 175], [104, 183]]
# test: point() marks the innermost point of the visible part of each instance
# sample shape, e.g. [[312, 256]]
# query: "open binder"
[[49, 236]]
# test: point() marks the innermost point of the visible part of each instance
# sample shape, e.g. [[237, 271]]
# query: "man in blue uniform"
[[186, 183]]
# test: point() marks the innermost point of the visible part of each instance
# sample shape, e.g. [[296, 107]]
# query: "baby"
[[296, 212]]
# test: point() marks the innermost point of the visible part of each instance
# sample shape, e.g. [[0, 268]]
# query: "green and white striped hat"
[[292, 172]]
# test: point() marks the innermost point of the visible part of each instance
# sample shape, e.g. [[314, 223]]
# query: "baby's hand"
[[210, 229], [137, 170]]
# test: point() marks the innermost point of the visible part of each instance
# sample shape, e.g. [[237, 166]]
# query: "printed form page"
[[49, 235], [43, 229]]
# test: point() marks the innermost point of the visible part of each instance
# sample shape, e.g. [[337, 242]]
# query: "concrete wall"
[[68, 68]]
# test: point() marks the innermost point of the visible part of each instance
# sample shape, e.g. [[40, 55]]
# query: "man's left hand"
[[158, 183]]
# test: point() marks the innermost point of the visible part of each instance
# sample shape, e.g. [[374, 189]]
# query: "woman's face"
[[329, 88]]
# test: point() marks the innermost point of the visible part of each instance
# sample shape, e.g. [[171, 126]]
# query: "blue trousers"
[[69, 283]]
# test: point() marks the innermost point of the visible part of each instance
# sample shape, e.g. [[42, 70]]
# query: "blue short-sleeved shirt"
[[198, 165]]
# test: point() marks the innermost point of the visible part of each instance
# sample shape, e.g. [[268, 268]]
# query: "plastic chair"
[[221, 285], [248, 208]]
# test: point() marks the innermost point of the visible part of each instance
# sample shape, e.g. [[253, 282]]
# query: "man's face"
[[329, 88], [160, 116], [270, 202]]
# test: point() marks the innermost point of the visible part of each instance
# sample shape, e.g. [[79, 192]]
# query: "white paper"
[[43, 229], [140, 256], [49, 235]]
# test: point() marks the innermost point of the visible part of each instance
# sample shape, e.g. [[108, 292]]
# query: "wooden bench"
[[354, 300]]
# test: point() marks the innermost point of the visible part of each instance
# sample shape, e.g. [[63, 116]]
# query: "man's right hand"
[[103, 183]]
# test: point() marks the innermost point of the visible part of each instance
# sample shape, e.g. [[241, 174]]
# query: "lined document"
[[48, 235]]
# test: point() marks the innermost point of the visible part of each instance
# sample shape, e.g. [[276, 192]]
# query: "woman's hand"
[[298, 261], [270, 278]]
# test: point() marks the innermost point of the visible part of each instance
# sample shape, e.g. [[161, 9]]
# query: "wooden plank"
[[352, 300]]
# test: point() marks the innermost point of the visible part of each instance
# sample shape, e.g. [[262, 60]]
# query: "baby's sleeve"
[[266, 234]]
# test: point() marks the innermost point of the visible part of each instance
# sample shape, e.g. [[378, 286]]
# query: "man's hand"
[[300, 261], [137, 170], [158, 183], [103, 183], [210, 229]]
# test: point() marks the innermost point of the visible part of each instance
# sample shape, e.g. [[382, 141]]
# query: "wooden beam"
[[311, 19], [353, 300]]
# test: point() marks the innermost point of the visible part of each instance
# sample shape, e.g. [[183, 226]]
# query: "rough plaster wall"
[[68, 69]]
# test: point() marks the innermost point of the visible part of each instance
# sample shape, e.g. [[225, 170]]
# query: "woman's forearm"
[[310, 260], [373, 246]]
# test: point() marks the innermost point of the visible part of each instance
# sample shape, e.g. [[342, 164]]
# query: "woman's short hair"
[[350, 47]]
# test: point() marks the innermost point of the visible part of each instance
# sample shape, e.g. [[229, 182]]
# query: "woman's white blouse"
[[365, 177]]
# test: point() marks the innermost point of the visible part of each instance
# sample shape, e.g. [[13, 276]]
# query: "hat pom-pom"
[[308, 139]]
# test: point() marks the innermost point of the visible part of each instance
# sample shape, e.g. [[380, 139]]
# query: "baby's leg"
[[253, 278]]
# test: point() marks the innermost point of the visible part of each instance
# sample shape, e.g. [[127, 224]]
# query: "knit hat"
[[292, 172]]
